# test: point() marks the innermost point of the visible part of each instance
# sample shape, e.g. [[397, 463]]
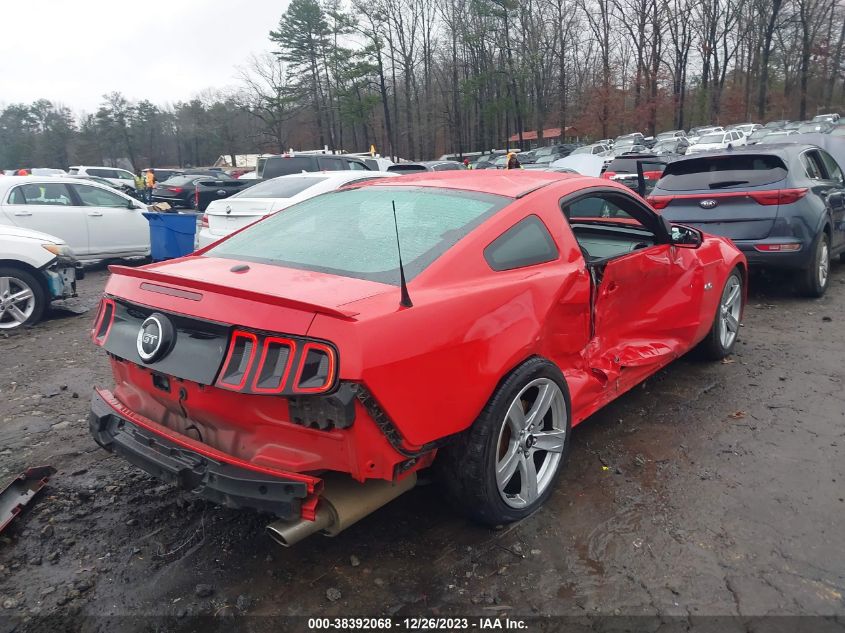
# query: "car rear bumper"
[[197, 467], [789, 260]]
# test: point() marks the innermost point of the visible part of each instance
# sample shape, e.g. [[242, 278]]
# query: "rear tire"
[[505, 465], [22, 299], [721, 339], [816, 278]]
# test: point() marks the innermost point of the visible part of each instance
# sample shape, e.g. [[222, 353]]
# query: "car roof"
[[9, 181], [510, 183]]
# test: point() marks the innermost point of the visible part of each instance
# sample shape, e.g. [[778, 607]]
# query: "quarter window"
[[834, 172], [812, 165], [525, 244]]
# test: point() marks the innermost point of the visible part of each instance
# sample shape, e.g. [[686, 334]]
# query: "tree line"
[[417, 78]]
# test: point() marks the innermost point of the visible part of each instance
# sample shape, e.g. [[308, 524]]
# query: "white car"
[[120, 178], [223, 217], [596, 149], [718, 141], [37, 268], [746, 128], [95, 221], [698, 132]]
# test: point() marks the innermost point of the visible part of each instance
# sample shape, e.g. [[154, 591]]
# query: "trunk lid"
[[737, 216], [231, 215]]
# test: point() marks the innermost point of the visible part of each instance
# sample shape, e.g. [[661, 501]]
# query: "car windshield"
[[666, 144], [722, 172], [284, 187], [176, 181], [814, 127], [712, 138], [665, 135], [625, 141], [587, 149], [759, 133], [351, 233], [838, 131], [777, 137]]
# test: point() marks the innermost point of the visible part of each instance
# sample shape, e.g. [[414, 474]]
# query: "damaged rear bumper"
[[197, 467]]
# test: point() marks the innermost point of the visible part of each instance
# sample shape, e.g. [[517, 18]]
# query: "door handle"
[[612, 287], [95, 214], [22, 213]]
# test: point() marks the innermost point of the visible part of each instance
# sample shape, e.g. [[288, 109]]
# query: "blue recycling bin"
[[171, 234]]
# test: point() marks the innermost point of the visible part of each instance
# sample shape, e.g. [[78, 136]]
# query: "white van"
[[120, 178]]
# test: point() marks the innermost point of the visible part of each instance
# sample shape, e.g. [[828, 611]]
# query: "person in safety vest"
[[467, 163], [151, 183]]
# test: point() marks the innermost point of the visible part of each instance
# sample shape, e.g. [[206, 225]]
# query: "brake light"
[[778, 248], [608, 174], [652, 175], [197, 196], [312, 364], [175, 189], [273, 370], [204, 221], [103, 322], [779, 196], [238, 361], [766, 198], [316, 369]]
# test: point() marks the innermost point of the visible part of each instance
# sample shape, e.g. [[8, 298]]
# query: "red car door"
[[646, 307]]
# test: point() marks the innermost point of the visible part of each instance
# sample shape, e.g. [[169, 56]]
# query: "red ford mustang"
[[298, 368]]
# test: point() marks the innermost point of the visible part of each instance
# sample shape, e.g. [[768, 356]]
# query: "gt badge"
[[155, 338]]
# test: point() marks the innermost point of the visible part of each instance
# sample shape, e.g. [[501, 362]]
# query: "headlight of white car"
[[58, 249]]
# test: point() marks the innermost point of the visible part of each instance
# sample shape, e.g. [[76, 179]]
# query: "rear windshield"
[[719, 137], [407, 169], [722, 172], [286, 187], [351, 233], [179, 180], [282, 166], [629, 165]]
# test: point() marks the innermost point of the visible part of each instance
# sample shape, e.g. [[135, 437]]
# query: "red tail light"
[[652, 175], [273, 370], [659, 202], [204, 221], [316, 369], [197, 196], [766, 198], [778, 196], [778, 248], [312, 364], [238, 361], [103, 322], [608, 174], [175, 189]]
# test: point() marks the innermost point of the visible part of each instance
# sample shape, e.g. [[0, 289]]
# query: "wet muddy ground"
[[714, 489]]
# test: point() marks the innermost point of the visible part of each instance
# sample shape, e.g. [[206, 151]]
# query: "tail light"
[[175, 189], [103, 322], [204, 221], [790, 247], [284, 365], [608, 174], [766, 198], [659, 202], [652, 175], [197, 196]]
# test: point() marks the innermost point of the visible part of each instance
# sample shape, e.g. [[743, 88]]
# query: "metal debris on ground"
[[21, 491]]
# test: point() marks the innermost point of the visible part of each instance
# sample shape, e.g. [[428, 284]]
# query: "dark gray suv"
[[782, 205]]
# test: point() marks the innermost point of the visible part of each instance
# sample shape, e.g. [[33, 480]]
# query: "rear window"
[[286, 187], [351, 233], [629, 165], [283, 166], [722, 172], [177, 181], [407, 169]]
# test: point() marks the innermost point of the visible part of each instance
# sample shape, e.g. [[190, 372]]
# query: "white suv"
[[120, 178], [37, 268]]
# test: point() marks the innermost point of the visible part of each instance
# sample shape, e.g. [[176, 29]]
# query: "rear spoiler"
[[232, 291]]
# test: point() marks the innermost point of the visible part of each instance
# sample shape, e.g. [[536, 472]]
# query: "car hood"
[[14, 231]]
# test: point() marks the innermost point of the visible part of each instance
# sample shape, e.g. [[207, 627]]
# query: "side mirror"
[[686, 237], [130, 204]]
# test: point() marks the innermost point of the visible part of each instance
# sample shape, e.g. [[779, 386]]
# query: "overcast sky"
[[162, 50]]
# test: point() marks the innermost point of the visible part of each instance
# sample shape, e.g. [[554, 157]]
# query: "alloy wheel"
[[17, 302], [824, 264], [729, 311], [531, 442]]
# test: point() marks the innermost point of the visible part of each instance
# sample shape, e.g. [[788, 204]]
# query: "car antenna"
[[405, 301]]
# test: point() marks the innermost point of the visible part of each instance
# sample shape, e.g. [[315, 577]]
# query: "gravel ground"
[[713, 489]]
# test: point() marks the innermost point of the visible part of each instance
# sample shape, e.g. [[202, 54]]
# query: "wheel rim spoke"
[[541, 405], [4, 286], [23, 295], [19, 316], [507, 466], [516, 416], [551, 441], [731, 322], [528, 473]]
